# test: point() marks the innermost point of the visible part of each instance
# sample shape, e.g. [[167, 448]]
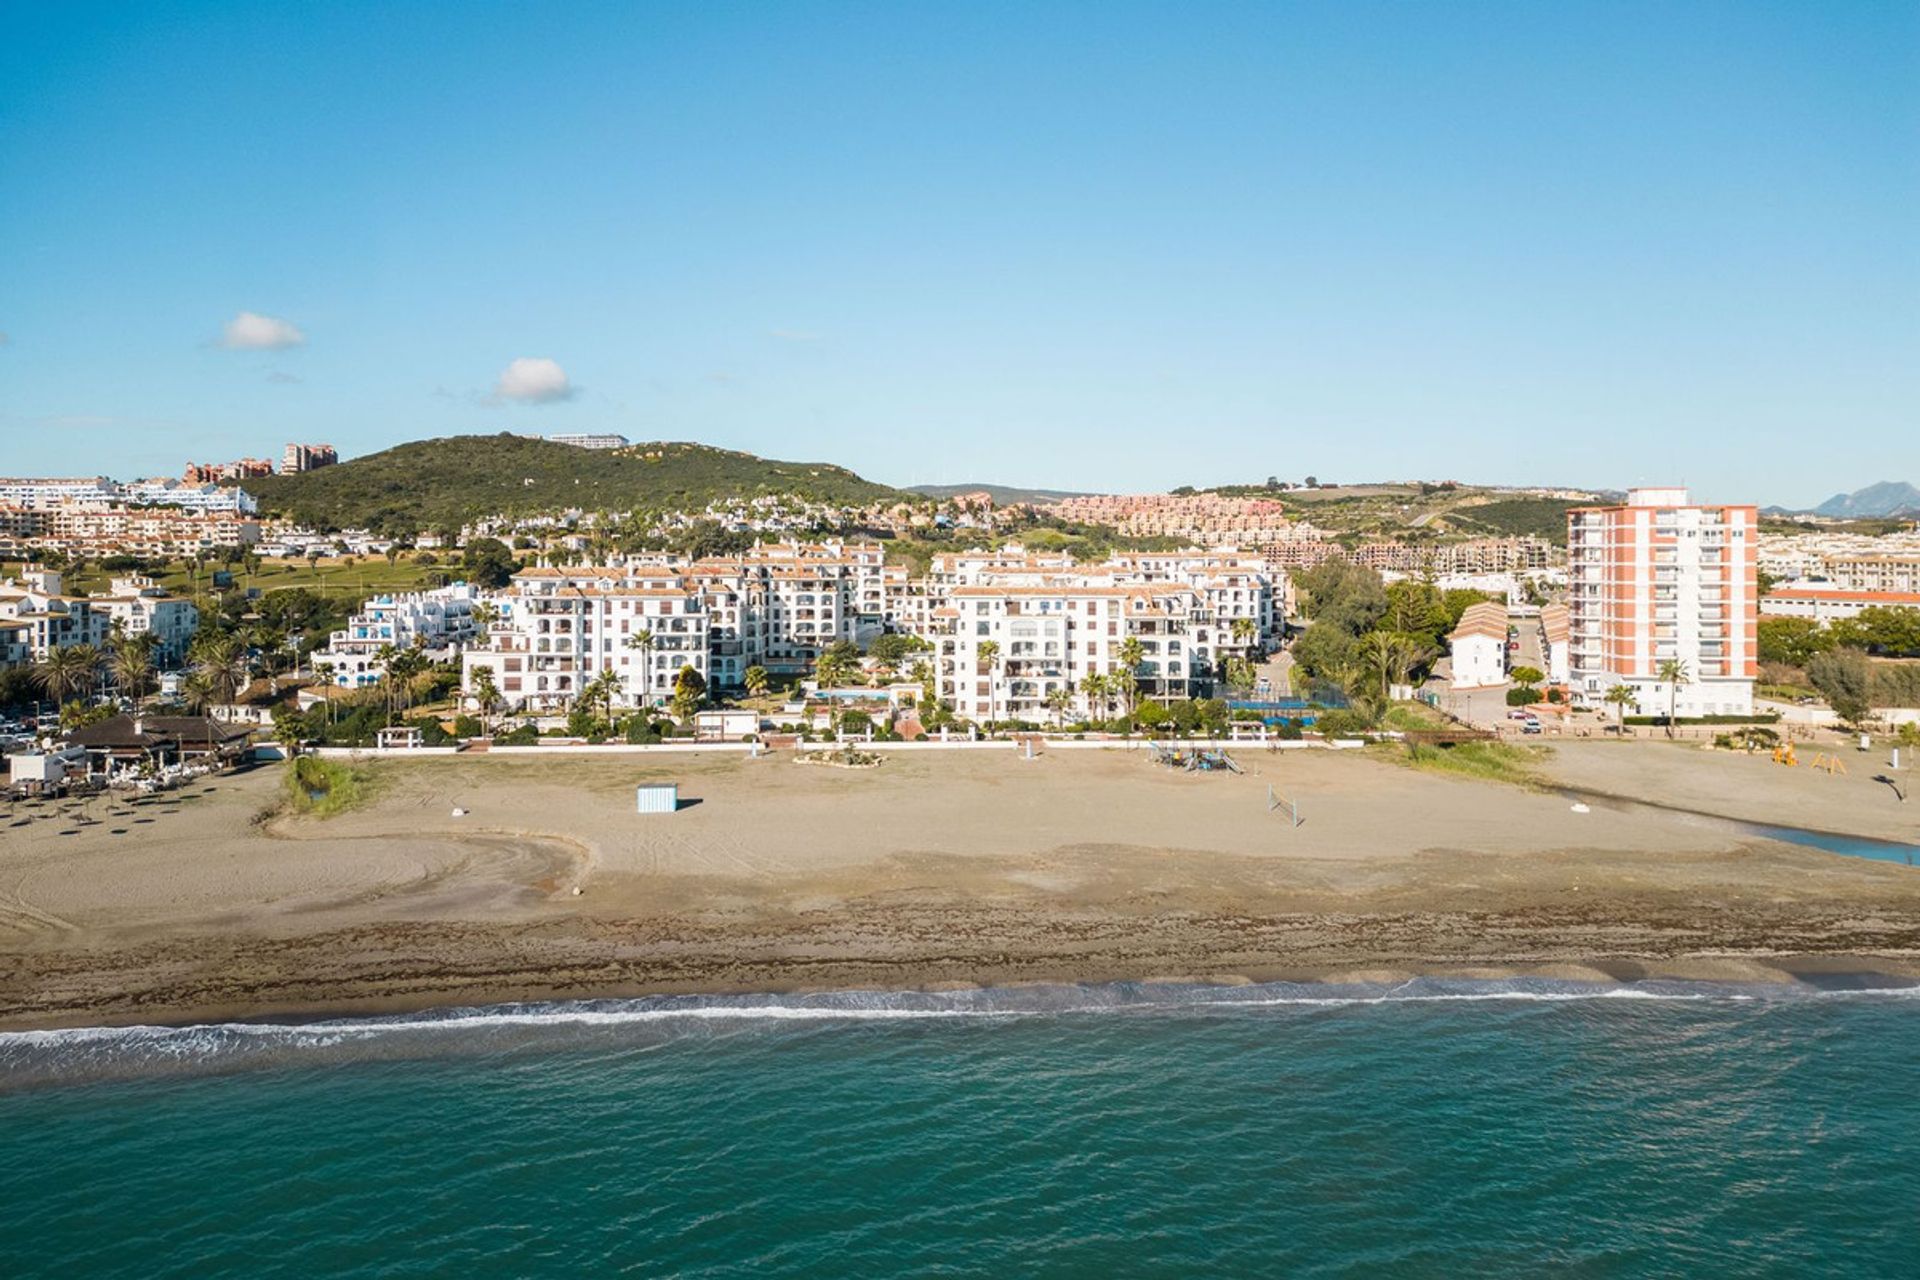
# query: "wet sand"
[[935, 869]]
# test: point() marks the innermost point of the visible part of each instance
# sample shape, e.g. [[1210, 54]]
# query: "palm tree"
[[1674, 672], [1058, 700], [403, 669], [643, 641], [323, 672], [286, 732], [1243, 631], [486, 693], [1132, 654], [130, 660], [1621, 696], [1093, 686], [756, 680], [602, 690], [197, 691], [66, 670], [988, 656], [386, 655], [223, 660]]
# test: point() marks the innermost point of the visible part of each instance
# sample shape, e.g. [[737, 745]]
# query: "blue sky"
[[1110, 246]]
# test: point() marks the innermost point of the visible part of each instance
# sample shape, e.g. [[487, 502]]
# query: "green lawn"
[[336, 579]]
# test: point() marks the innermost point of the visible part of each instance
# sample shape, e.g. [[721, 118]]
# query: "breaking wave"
[[85, 1054]]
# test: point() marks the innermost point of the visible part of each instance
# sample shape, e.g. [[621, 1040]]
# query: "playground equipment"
[[1784, 755], [1831, 763], [1193, 761]]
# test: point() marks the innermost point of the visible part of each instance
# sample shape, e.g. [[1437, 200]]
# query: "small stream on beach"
[[1830, 841]]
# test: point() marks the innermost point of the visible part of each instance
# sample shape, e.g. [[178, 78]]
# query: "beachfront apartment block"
[[441, 619], [1659, 579], [781, 605], [558, 630], [1048, 638]]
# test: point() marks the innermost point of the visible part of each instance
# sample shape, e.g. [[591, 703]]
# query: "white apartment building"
[[590, 441], [440, 619], [1895, 571], [1824, 603], [15, 647], [1051, 637], [780, 605], [137, 605], [559, 629], [189, 497], [51, 619], [44, 492], [1662, 579], [1478, 646]]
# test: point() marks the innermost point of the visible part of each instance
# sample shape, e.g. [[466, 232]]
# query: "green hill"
[[433, 483], [1511, 517]]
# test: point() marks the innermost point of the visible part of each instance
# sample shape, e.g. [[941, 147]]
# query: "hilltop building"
[[591, 441], [226, 472], [296, 458], [1659, 579]]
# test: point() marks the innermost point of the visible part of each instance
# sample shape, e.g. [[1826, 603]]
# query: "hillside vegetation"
[[1513, 517], [429, 484]]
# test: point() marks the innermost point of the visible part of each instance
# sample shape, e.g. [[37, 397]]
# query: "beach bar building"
[[136, 742], [656, 797]]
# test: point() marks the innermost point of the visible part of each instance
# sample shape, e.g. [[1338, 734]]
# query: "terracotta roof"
[[1906, 598], [1484, 619]]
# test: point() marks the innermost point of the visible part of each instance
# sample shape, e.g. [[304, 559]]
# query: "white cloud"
[[251, 331], [534, 380]]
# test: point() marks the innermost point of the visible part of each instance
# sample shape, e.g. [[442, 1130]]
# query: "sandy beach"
[[936, 869]]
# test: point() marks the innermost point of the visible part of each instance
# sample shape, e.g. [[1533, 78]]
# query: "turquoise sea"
[[1435, 1128]]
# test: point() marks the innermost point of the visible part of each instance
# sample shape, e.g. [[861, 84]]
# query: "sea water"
[[1433, 1128]]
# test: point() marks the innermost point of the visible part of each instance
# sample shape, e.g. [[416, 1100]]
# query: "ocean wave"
[[91, 1053]]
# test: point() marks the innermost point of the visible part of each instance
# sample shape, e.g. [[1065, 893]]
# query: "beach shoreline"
[[936, 872]]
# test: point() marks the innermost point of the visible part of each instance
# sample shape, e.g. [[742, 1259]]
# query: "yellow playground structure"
[[1825, 761]]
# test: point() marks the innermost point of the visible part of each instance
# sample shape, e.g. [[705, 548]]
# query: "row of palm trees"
[[1672, 672], [1101, 689], [220, 667]]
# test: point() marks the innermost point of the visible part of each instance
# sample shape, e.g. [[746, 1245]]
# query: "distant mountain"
[[1003, 494], [431, 483], [1876, 501]]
